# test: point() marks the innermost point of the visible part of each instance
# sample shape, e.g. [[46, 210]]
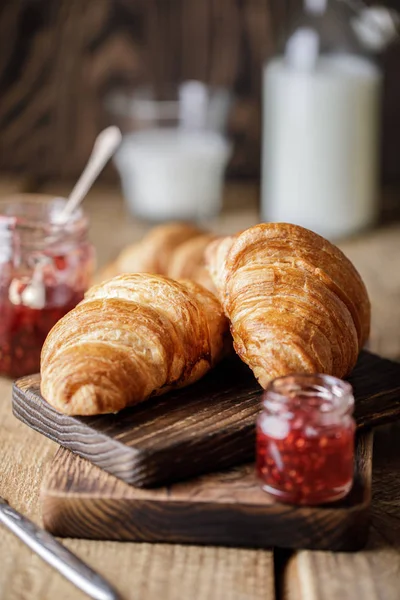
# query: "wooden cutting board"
[[227, 508], [203, 428]]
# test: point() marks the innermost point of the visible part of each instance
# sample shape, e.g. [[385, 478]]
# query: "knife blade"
[[56, 555]]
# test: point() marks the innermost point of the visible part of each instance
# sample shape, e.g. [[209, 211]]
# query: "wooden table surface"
[[147, 572]]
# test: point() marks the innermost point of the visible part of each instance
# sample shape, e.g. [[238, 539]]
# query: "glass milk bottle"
[[320, 127]]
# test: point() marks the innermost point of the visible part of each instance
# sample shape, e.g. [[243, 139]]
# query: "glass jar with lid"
[[45, 270], [305, 439]]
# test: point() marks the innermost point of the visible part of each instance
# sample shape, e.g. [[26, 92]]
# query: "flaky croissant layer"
[[132, 337], [172, 249], [294, 301]]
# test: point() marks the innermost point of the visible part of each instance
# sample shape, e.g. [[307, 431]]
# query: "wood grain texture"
[[138, 571], [375, 573], [175, 572], [376, 256], [53, 51], [205, 427], [228, 509], [179, 435]]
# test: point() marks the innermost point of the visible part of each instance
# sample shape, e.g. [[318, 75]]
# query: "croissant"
[[188, 261], [173, 249], [132, 337], [294, 301], [153, 252]]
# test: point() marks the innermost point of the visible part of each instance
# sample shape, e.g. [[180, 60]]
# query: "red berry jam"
[[44, 273], [305, 439]]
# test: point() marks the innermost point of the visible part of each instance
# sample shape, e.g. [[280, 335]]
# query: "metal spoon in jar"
[[33, 294], [104, 147]]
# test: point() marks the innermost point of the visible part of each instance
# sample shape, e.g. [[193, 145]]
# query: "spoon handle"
[[56, 555], [104, 147]]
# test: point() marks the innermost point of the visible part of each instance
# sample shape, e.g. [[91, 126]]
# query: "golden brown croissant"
[[188, 261], [173, 249], [152, 254], [132, 337], [295, 302]]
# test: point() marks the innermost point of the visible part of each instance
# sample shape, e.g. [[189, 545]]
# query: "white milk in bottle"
[[320, 133]]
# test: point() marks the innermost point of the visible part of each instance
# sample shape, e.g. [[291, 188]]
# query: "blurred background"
[[60, 58]]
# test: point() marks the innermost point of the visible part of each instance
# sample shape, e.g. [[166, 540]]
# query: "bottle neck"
[[322, 28], [315, 7]]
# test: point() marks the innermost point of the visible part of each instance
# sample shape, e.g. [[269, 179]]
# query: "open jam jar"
[[45, 270], [305, 439]]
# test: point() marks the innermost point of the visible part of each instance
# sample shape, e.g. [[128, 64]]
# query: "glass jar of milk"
[[320, 127], [174, 150]]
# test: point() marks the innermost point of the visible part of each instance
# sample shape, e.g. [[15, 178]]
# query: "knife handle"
[[56, 555]]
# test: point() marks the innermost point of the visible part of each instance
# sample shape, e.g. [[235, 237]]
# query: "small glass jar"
[[175, 150], [45, 270], [305, 439]]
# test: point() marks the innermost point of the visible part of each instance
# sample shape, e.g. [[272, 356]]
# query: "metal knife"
[[56, 555]]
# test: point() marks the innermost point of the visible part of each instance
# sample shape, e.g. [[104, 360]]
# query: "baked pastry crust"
[[188, 261], [294, 300], [153, 253], [132, 337]]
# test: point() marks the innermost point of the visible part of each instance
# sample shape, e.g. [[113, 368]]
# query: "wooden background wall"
[[58, 58]]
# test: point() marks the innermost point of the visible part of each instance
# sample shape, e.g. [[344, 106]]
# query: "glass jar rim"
[[299, 391], [33, 213], [146, 101], [188, 104]]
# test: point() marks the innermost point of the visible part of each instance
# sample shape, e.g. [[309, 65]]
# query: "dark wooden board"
[[227, 508], [374, 573], [203, 428]]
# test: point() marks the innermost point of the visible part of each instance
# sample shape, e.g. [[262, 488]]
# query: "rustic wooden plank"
[[145, 571], [209, 425], [373, 574], [151, 571], [202, 428], [375, 255], [228, 509]]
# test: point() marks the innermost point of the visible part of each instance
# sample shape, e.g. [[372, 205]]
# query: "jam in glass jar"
[[45, 270], [305, 439]]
